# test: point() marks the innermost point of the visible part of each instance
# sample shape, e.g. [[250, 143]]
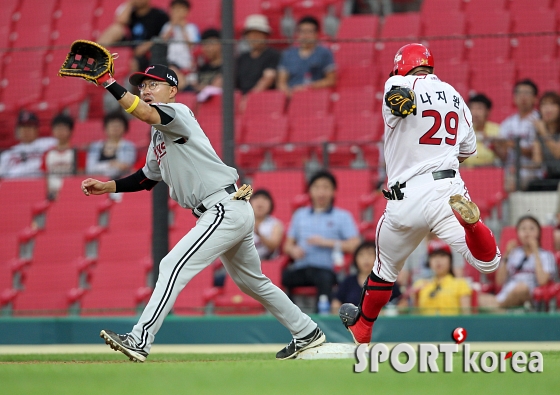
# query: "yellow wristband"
[[134, 105]]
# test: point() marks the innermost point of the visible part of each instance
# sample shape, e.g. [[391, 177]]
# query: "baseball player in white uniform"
[[428, 132], [181, 155]]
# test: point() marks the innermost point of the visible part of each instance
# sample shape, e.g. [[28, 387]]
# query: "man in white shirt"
[[25, 159]]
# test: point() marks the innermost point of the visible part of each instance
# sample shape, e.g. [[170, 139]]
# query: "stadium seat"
[[351, 54], [33, 24], [205, 14], [309, 103], [191, 300], [485, 195], [116, 288], [22, 80], [481, 50], [384, 58], [432, 8], [447, 50], [6, 22], [477, 8], [139, 133], [358, 26], [265, 129], [351, 184], [359, 127], [290, 156], [353, 101], [495, 80], [242, 9], [283, 186], [519, 7], [545, 73], [18, 196], [188, 99], [402, 25], [104, 16], [311, 129], [444, 23], [357, 77], [271, 102], [212, 127], [66, 31], [86, 132]]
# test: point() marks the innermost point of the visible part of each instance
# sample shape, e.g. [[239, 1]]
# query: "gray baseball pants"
[[225, 231]]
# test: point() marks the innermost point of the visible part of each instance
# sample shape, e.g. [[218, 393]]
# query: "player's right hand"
[[92, 186]]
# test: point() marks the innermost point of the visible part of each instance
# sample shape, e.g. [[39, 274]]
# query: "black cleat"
[[314, 339], [124, 344]]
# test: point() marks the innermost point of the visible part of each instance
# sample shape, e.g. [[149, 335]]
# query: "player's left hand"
[[90, 61], [401, 101]]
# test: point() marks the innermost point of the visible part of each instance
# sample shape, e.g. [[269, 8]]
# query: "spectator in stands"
[[256, 69], [444, 294], [210, 70], [520, 125], [317, 237], [24, 159], [524, 266], [486, 131], [350, 290], [309, 65], [115, 156], [269, 230], [182, 35], [136, 20], [61, 160], [546, 148]]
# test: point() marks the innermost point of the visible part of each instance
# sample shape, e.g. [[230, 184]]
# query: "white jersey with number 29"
[[434, 138]]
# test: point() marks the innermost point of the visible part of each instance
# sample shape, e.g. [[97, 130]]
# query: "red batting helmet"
[[411, 56]]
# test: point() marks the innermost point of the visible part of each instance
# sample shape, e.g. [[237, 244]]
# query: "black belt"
[[395, 192], [438, 175], [201, 209]]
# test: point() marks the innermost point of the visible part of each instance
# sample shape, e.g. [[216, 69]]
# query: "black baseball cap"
[[27, 118], [156, 72]]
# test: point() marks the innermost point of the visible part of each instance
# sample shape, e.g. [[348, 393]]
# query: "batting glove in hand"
[[401, 101]]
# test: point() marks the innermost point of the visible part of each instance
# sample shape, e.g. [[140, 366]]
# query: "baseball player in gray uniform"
[[181, 155]]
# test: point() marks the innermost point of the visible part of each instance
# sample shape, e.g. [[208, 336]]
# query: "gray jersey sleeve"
[[151, 168], [180, 113]]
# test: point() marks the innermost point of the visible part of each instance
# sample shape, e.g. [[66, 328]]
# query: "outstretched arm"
[[133, 183]]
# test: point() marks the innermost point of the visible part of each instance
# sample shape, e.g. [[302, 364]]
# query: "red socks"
[[480, 241], [377, 295]]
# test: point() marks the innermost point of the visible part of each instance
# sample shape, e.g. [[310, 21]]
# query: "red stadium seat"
[[290, 156], [450, 51], [104, 15], [357, 77], [545, 73], [490, 22], [87, 132], [242, 9], [431, 8], [139, 133], [362, 127], [533, 20], [188, 99], [22, 80], [6, 22], [477, 8], [482, 50], [116, 288], [283, 186], [384, 57], [358, 26], [68, 12], [205, 14], [444, 23], [403, 25], [191, 299], [484, 195], [351, 54], [311, 129], [265, 129], [212, 127], [495, 80], [33, 27], [527, 6], [351, 184], [309, 103], [19, 195], [353, 101], [534, 48], [271, 102]]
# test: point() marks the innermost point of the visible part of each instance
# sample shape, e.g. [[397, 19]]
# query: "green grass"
[[247, 374]]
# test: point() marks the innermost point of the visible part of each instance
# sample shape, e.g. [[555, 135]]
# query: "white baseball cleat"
[[467, 212]]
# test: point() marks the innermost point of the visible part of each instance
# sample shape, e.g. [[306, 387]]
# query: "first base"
[[329, 351]]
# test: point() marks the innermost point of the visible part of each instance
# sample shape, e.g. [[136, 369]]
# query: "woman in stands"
[[524, 266], [444, 294], [350, 290], [114, 156], [269, 230], [546, 148]]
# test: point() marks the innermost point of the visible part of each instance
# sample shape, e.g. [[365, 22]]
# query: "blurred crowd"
[[324, 248]]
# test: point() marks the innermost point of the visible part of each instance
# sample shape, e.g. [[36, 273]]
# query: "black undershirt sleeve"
[[134, 183], [165, 118]]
